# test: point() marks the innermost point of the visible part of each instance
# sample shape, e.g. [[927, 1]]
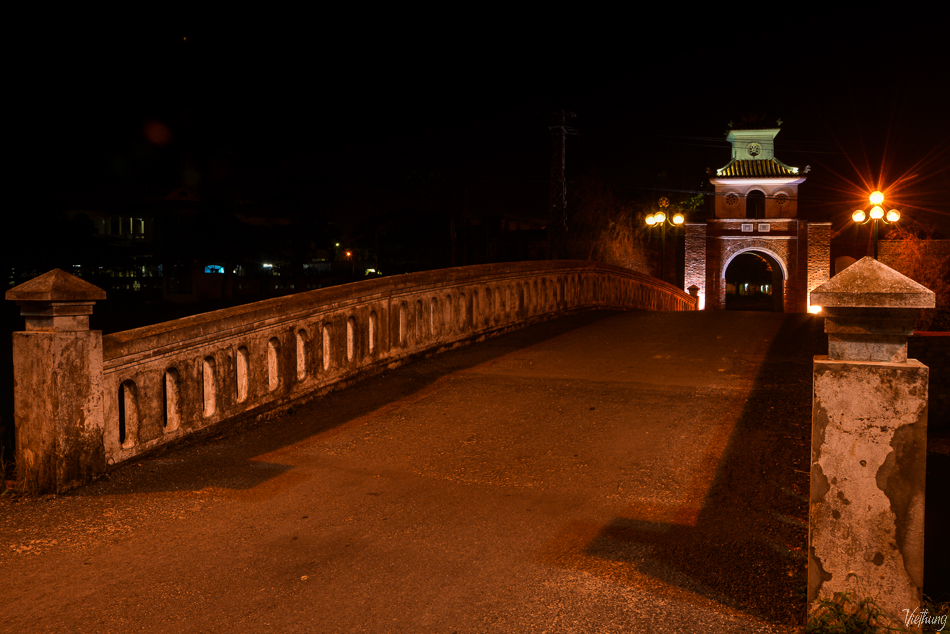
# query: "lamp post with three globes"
[[876, 214]]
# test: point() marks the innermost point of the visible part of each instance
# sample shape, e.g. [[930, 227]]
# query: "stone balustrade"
[[148, 386]]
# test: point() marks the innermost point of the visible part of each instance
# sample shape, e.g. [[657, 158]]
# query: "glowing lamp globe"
[[858, 216], [651, 220], [877, 198], [660, 216], [877, 213], [814, 310], [893, 215], [678, 219]]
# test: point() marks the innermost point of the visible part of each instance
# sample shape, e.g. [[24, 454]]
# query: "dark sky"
[[315, 114]]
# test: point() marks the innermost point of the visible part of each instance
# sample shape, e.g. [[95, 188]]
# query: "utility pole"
[[557, 207]]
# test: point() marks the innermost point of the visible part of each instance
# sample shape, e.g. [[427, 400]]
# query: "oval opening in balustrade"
[[208, 386], [242, 373], [303, 356], [461, 312], [447, 314], [434, 317], [350, 339], [128, 414], [420, 322], [372, 332], [326, 347], [402, 324], [170, 397], [273, 373], [475, 309]]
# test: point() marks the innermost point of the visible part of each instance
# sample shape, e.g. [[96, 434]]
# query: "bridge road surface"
[[603, 472]]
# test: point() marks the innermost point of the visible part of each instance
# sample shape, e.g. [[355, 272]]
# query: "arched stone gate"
[[776, 263]]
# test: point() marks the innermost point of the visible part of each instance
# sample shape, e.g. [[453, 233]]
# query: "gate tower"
[[757, 210]]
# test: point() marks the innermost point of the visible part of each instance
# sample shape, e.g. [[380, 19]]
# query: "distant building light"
[[268, 266]]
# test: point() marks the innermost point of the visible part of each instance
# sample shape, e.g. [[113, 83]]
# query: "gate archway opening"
[[755, 280]]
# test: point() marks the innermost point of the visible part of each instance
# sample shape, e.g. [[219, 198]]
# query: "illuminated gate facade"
[[757, 210]]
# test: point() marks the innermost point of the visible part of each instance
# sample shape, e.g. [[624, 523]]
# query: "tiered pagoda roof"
[[758, 168]]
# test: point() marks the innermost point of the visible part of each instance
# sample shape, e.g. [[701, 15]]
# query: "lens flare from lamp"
[[877, 198], [678, 219], [877, 213], [858, 216], [893, 215], [660, 216], [651, 220]]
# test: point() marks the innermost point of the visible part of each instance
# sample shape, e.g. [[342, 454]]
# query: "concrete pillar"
[[57, 373], [869, 442]]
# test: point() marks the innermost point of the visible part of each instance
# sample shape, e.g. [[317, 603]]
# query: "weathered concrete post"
[[869, 442], [57, 373]]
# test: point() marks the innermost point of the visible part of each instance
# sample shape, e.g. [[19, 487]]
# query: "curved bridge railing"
[[161, 382]]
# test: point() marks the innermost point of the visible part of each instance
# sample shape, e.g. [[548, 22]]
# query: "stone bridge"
[[130, 392], [626, 464]]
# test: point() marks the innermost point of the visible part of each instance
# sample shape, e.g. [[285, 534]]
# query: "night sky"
[[325, 116]]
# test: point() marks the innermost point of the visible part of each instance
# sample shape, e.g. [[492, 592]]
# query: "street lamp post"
[[877, 213], [660, 219]]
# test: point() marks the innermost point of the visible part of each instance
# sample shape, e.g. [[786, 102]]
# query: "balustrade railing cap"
[[869, 284], [55, 286]]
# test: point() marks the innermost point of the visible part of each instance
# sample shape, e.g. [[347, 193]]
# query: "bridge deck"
[[635, 472]]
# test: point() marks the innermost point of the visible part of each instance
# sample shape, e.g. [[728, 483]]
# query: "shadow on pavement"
[[746, 547]]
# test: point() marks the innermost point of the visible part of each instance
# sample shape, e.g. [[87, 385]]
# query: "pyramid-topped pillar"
[[870, 311], [869, 442], [57, 370]]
